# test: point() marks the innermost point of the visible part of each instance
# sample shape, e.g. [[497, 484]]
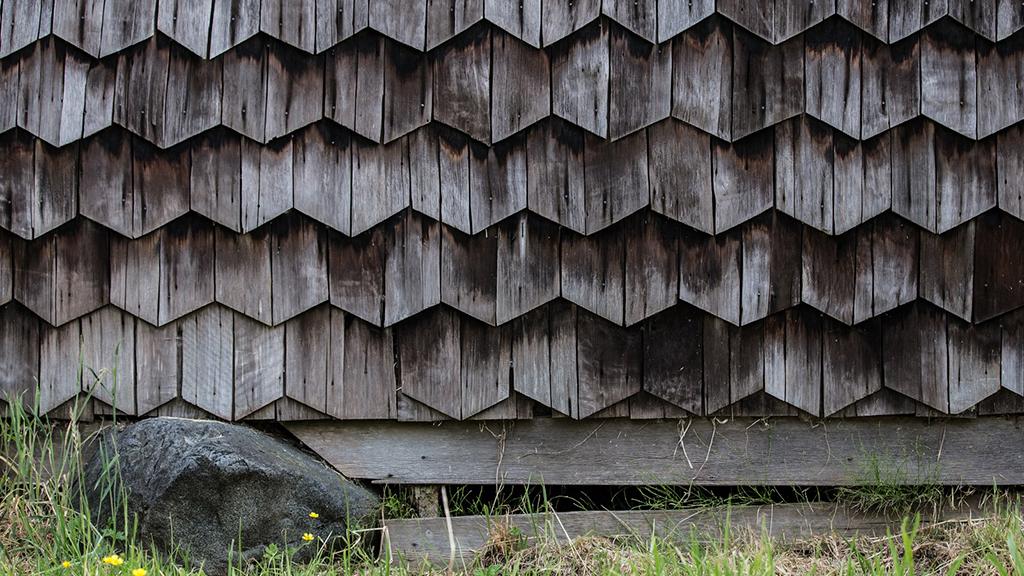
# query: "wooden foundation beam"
[[982, 451], [420, 540]]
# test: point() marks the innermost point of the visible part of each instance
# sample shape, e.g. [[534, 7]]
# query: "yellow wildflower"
[[307, 537], [113, 560], [314, 515], [66, 564], [139, 572]]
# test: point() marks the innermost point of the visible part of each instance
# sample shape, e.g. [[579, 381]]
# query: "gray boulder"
[[204, 488]]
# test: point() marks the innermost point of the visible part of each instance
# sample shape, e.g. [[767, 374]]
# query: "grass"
[[43, 525]]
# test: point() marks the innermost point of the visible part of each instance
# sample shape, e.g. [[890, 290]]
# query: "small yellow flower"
[[113, 560], [314, 515], [307, 537], [139, 572], [66, 564]]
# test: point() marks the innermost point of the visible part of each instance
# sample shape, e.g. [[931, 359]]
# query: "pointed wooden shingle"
[[833, 76], [233, 22], [949, 78], [793, 359], [298, 263], [20, 342], [710, 276], [609, 360], [142, 75], [1010, 170], [890, 85], [462, 83], [757, 16], [354, 85], [871, 16], [702, 77], [915, 357], [486, 366], [561, 18], [676, 17], [851, 364], [974, 363], [402, 20], [166, 274], [639, 82], [187, 22], [791, 17], [527, 265], [322, 171], [469, 273], [295, 90], [1000, 72], [243, 273], [637, 16], [998, 266], [51, 100], [770, 280], [521, 86], [673, 357], [652, 266], [363, 386], [126, 22], [80, 23], [679, 161], [380, 182], [207, 360], [430, 368], [158, 365], [64, 274], [244, 106], [616, 179], [448, 18], [38, 184], [291, 21], [767, 82], [580, 71], [555, 164], [905, 18], [520, 19], [258, 365], [593, 272], [22, 22], [108, 358], [742, 179], [310, 356], [267, 181]]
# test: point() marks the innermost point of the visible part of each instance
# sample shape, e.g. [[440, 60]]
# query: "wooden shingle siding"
[[476, 209]]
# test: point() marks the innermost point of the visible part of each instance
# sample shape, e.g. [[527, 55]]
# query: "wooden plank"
[[456, 159], [469, 273], [947, 270], [527, 265], [949, 81], [430, 368], [609, 363], [425, 541], [1000, 70], [298, 262], [862, 180], [79, 22], [51, 92], [555, 170], [161, 188], [520, 19], [767, 82], [679, 161], [615, 179], [380, 183], [354, 86], [742, 179], [20, 341], [742, 451], [871, 16], [295, 90], [673, 362], [652, 266], [702, 76], [756, 16], [832, 76], [108, 358], [322, 171], [890, 85], [804, 172], [791, 17], [165, 275], [106, 192], [64, 275], [187, 22], [521, 85], [408, 94], [531, 356], [915, 360], [207, 360], [829, 271], [998, 268], [639, 81], [267, 179], [770, 278], [851, 364], [126, 22], [364, 386], [141, 88], [60, 377], [448, 18], [412, 269], [258, 365], [593, 272], [158, 365], [560, 19], [905, 18], [580, 73], [401, 20], [803, 365], [462, 84]]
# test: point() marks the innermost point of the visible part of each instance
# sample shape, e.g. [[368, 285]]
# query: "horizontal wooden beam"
[[779, 451], [420, 540]]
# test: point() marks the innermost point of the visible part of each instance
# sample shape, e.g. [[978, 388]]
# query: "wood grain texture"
[[527, 266], [555, 173], [616, 179], [679, 164], [949, 81], [520, 85], [258, 365], [593, 272], [38, 184], [580, 72], [915, 359], [639, 81], [462, 84], [561, 18], [619, 451], [742, 179], [767, 82], [447, 18], [702, 60]]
